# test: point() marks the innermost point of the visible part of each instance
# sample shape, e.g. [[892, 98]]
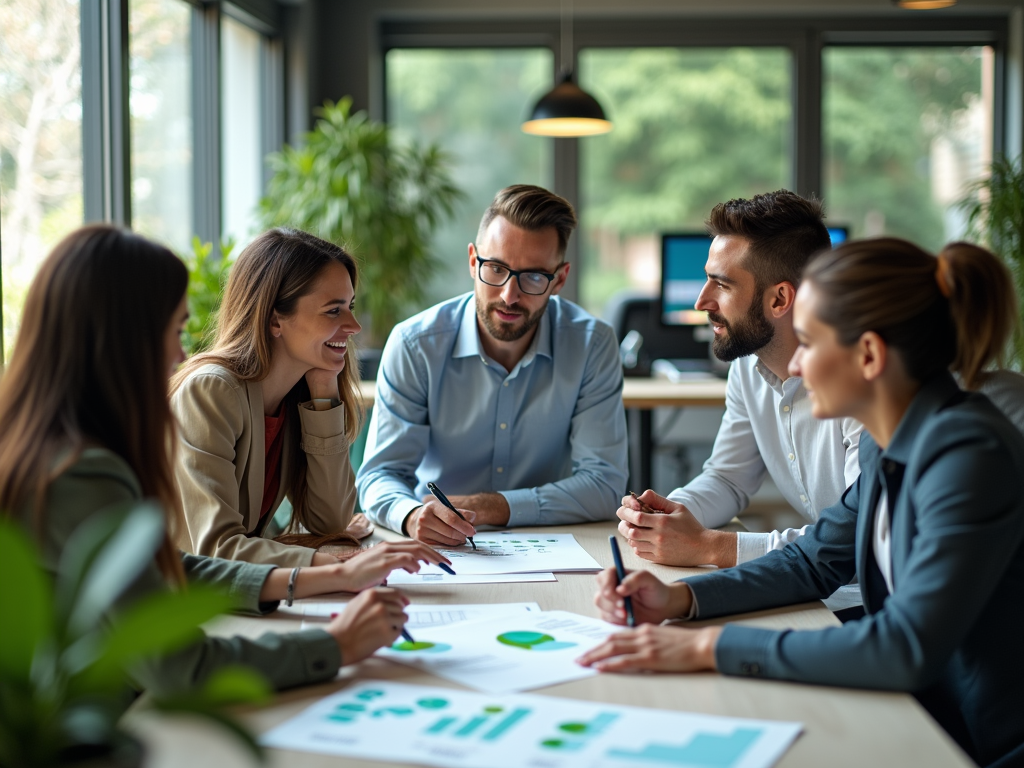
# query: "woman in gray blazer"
[[933, 528]]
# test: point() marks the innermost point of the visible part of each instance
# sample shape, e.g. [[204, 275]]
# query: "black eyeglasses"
[[495, 273]]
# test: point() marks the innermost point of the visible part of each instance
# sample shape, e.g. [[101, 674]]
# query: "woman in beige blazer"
[[282, 359]]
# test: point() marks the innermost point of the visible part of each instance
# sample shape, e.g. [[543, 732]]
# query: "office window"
[[161, 120], [903, 130], [693, 127], [472, 103], [241, 157], [40, 140]]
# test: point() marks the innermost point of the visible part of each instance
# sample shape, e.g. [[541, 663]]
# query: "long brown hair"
[[271, 274], [89, 366], [952, 311]]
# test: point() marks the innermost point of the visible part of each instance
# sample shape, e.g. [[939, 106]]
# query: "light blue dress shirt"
[[550, 435]]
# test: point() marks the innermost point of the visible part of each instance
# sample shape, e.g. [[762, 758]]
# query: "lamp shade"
[[567, 110], [924, 5]]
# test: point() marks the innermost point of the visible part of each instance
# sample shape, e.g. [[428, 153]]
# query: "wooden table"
[[842, 727]]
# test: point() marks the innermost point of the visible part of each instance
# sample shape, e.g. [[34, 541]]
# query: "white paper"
[[420, 615], [456, 729], [430, 578], [511, 652], [515, 552]]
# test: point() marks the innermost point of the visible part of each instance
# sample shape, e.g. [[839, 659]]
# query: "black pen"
[[432, 487], [621, 573]]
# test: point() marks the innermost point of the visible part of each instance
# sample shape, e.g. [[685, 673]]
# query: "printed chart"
[[511, 552], [421, 616], [456, 729], [511, 652]]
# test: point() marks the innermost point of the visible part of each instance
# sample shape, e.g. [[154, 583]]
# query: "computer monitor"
[[683, 256]]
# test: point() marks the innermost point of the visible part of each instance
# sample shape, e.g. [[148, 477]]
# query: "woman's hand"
[[372, 567], [374, 618], [653, 601], [655, 648]]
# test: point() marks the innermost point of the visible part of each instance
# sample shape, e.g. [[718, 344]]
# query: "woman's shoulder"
[[211, 373]]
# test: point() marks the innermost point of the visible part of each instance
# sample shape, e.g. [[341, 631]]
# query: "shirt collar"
[[933, 394], [467, 344], [792, 383]]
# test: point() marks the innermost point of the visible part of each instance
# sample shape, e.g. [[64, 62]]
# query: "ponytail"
[[983, 305]]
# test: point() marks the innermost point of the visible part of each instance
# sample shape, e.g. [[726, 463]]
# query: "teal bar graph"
[[705, 750], [510, 720], [441, 724], [471, 725]]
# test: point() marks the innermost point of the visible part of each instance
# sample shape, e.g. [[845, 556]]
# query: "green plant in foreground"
[[995, 216], [350, 185], [66, 654], [207, 275]]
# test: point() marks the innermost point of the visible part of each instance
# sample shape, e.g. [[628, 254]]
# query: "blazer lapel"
[[257, 454], [867, 570]]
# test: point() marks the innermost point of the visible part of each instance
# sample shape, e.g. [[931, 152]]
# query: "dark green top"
[[101, 479]]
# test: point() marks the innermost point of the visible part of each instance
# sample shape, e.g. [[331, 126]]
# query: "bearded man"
[[509, 398]]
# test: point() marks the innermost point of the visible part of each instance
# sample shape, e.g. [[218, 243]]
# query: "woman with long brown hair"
[[271, 409], [933, 527], [87, 426]]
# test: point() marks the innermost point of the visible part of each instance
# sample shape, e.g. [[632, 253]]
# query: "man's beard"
[[745, 337], [507, 331]]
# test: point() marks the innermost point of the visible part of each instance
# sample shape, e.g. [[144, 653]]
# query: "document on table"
[[315, 615], [510, 652], [447, 728], [428, 576], [515, 552]]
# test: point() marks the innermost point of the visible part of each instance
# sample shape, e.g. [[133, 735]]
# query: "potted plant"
[[995, 216], [349, 184], [65, 656]]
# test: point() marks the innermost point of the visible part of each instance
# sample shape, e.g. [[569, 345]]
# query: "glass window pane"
[[472, 103], [693, 127], [161, 120], [40, 140], [904, 129], [241, 158]]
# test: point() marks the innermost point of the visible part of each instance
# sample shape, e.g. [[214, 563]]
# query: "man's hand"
[[653, 600], [669, 533], [435, 524], [659, 649]]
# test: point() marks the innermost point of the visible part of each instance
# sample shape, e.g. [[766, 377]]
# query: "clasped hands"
[[665, 532]]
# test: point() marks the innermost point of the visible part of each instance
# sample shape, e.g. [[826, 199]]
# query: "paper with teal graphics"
[[499, 552], [516, 651], [457, 729]]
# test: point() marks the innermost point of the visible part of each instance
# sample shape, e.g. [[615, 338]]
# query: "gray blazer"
[[952, 631]]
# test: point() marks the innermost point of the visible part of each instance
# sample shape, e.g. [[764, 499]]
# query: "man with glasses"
[[509, 398]]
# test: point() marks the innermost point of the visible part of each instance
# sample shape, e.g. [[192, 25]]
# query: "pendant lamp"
[[567, 110], [924, 5]]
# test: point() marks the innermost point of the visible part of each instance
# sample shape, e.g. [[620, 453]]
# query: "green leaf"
[[157, 625], [26, 602], [236, 685], [104, 556]]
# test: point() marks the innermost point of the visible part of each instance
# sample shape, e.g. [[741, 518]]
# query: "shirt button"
[[803, 497], [503, 425], [505, 384], [791, 457], [500, 470], [785, 409]]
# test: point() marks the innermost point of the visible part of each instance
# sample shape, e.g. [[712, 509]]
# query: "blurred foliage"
[[349, 184], [470, 102], [995, 216], [207, 276], [65, 670]]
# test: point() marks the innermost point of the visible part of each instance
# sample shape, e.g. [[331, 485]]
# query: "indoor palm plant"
[[65, 657], [995, 216], [349, 183]]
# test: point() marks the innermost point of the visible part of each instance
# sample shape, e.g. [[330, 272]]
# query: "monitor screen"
[[683, 257]]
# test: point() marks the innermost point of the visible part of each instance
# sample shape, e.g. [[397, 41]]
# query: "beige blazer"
[[220, 469]]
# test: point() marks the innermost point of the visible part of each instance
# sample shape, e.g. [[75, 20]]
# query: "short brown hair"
[[937, 315], [784, 231], [531, 208]]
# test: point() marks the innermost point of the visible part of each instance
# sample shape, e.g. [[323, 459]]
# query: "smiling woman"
[[270, 410]]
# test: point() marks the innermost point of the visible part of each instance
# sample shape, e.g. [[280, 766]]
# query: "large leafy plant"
[[66, 654], [995, 216], [349, 183]]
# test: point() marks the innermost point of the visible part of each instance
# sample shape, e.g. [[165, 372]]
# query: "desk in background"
[[842, 727], [640, 396]]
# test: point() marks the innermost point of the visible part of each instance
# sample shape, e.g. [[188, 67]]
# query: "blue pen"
[[621, 573], [407, 636], [446, 568], [444, 500]]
